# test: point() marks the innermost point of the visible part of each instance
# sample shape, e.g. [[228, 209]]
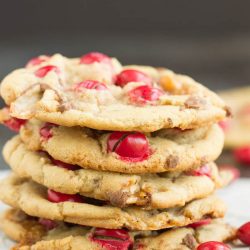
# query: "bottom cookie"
[[237, 130], [38, 234]]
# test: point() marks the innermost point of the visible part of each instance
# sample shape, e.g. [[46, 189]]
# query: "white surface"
[[5, 243], [236, 196]]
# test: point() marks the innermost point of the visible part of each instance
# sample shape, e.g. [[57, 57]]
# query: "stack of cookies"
[[111, 157]]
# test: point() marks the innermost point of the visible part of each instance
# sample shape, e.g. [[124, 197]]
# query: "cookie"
[[101, 94], [237, 129], [133, 152], [148, 190], [64, 236], [36, 200]]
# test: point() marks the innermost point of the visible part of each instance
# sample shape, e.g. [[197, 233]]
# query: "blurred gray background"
[[209, 40]]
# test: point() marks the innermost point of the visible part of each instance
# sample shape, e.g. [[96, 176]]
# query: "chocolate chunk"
[[228, 111], [170, 122], [189, 241], [172, 161], [195, 102], [18, 216], [118, 198], [64, 107]]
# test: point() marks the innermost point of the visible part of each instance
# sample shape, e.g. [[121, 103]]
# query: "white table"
[[237, 197]]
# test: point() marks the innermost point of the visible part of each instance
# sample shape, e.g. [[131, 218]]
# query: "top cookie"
[[97, 92]]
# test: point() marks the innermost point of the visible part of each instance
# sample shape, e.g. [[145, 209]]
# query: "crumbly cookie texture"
[[32, 236], [170, 149], [237, 130], [32, 199], [53, 94], [148, 190]]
